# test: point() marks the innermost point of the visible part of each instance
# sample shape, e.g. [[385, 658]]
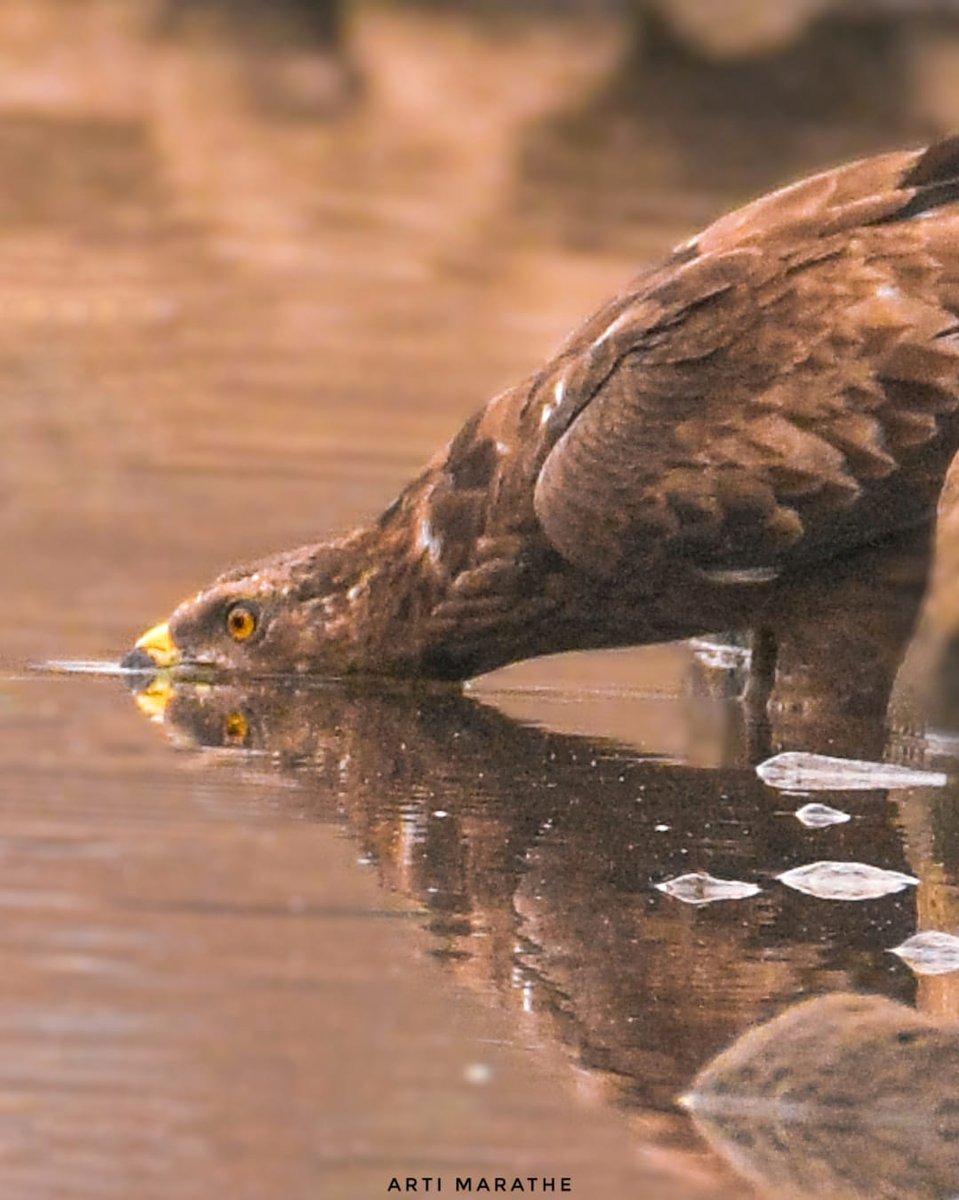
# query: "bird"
[[780, 395]]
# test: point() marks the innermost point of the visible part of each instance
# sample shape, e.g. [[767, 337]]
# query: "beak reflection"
[[153, 700]]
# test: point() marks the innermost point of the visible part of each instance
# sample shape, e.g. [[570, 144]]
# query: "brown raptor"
[[776, 399]]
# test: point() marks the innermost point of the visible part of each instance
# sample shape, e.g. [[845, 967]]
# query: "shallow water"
[[295, 940]]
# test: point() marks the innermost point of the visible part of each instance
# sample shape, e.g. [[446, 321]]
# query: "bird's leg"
[[840, 638], [764, 649], [927, 687]]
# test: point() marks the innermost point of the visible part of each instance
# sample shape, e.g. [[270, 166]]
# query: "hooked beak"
[[157, 645]]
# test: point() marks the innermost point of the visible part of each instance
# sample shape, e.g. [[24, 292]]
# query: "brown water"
[[370, 933]]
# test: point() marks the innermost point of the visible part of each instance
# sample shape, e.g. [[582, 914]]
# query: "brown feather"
[[778, 353]]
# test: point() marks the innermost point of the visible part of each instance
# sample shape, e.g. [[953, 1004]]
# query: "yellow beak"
[[159, 645], [154, 698]]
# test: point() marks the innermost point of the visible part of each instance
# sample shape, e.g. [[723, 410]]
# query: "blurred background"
[[258, 259]]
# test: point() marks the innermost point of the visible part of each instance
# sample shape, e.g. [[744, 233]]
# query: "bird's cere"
[[158, 644]]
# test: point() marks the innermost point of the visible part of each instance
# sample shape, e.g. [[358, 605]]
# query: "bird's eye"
[[235, 729], [241, 622]]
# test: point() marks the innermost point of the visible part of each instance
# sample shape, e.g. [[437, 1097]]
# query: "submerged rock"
[[847, 1097]]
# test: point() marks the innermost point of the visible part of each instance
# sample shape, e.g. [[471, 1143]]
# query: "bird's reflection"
[[535, 857], [838, 646], [926, 694], [840, 1098]]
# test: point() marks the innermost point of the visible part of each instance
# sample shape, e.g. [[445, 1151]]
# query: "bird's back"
[[786, 390]]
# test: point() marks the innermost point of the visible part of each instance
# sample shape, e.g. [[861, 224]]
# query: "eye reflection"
[[235, 729]]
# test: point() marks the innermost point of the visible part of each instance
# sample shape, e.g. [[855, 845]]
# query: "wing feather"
[[786, 388]]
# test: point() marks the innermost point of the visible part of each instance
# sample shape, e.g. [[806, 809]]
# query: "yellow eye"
[[240, 622], [235, 729]]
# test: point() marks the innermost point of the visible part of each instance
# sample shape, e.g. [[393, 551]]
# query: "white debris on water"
[[942, 742], [742, 575], [820, 816], [845, 881], [798, 771], [699, 888], [721, 656], [930, 953], [478, 1073]]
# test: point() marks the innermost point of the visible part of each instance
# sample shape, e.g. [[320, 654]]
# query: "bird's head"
[[280, 616]]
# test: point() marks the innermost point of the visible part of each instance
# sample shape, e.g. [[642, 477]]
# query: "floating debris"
[[943, 742], [798, 771], [721, 656], [478, 1073], [930, 953], [845, 881], [699, 888], [820, 816]]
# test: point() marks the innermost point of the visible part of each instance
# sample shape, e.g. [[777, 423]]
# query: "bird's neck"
[[396, 610], [391, 611]]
